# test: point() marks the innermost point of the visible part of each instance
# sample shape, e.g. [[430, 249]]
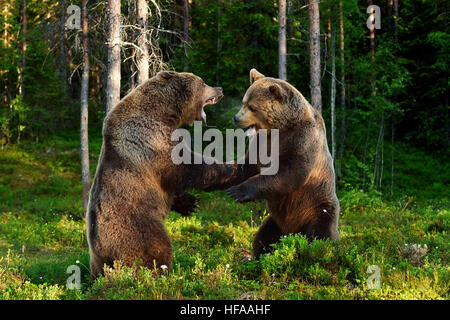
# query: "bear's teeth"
[[203, 116]]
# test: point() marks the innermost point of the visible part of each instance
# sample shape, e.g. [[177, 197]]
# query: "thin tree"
[[24, 61], [24, 51], [395, 5], [282, 74], [114, 43], [333, 92], [219, 39], [62, 46], [142, 53], [85, 177], [378, 157], [314, 53], [186, 19], [342, 82]]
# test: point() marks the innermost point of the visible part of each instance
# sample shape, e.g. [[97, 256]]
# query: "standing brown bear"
[[301, 196], [136, 180]]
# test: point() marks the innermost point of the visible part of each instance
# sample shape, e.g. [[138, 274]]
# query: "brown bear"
[[301, 196], [136, 180]]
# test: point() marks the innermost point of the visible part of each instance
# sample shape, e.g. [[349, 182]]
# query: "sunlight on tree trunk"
[[24, 50], [85, 177], [142, 54], [333, 93], [282, 51], [114, 43], [314, 51]]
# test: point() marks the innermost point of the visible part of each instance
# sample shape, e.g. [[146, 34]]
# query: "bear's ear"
[[255, 75], [164, 75], [275, 90]]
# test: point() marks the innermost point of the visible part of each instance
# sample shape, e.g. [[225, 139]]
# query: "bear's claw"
[[239, 194]]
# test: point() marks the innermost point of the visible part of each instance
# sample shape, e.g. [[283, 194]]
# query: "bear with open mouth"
[[136, 183]]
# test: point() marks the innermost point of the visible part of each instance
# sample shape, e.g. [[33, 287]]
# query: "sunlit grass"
[[42, 232]]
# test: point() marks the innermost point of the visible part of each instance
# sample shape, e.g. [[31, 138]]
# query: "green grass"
[[42, 232]]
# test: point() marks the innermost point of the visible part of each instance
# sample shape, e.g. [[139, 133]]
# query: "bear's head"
[[270, 103], [193, 94]]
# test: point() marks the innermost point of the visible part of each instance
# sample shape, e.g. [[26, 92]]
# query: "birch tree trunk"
[[314, 50], [142, 54], [282, 74], [85, 177], [113, 68]]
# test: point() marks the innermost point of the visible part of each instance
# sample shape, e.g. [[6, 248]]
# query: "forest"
[[377, 70]]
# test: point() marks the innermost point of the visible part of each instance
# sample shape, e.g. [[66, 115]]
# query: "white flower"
[[273, 275], [227, 266], [78, 261], [393, 268], [163, 267]]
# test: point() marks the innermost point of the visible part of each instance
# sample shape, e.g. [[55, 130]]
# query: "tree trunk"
[[85, 177], [314, 50], [186, 19], [333, 93], [343, 107], [114, 43], [372, 48], [132, 71], [282, 74], [142, 54], [6, 13], [378, 158], [392, 113], [366, 144], [396, 20], [219, 41], [62, 47], [24, 50]]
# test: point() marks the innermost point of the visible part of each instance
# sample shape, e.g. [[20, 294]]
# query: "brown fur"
[[136, 180], [301, 196]]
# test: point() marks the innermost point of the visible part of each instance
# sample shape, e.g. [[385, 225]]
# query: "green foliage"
[[42, 233]]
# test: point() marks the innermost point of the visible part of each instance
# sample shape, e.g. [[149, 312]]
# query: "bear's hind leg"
[[96, 265], [148, 244], [268, 233]]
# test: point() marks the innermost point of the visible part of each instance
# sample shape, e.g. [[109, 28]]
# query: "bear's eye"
[[251, 108]]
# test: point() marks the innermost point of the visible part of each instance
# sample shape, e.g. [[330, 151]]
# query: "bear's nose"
[[236, 119]]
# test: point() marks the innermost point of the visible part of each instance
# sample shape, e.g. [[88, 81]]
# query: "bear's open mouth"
[[211, 100]]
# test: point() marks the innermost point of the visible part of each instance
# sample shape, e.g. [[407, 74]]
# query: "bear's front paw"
[[241, 193]]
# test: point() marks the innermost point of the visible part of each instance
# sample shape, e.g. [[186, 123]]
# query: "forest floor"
[[42, 233]]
